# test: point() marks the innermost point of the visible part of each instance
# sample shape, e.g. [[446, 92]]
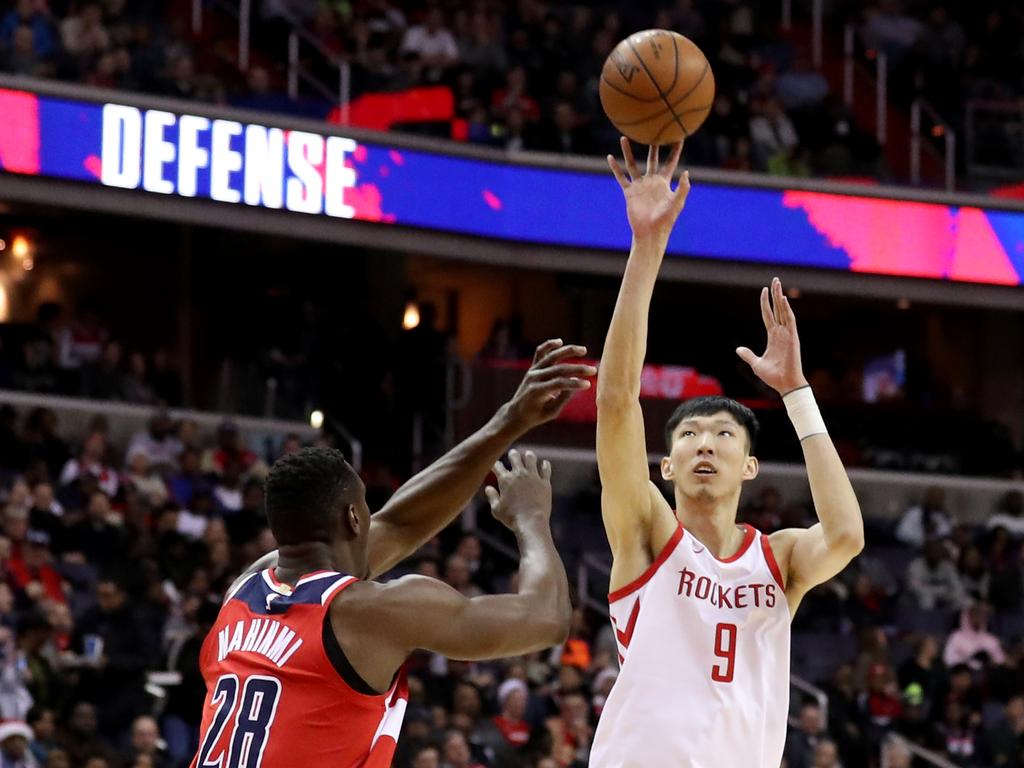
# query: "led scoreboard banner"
[[231, 162]]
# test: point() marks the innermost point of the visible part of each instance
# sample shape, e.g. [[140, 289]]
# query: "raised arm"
[[429, 501], [809, 556], [379, 625], [628, 499]]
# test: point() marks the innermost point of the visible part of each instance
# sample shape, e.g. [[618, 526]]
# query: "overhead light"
[[793, 293], [411, 318], [28, 263], [20, 247], [316, 419], [5, 307], [3, 244], [903, 303]]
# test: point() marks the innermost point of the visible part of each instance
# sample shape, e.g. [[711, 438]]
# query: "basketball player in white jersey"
[[702, 606]]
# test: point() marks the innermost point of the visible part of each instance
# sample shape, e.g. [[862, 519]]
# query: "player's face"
[[357, 519], [709, 457]]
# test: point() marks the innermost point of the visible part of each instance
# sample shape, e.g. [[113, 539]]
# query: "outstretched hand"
[[780, 366], [524, 489], [549, 384], [651, 205]]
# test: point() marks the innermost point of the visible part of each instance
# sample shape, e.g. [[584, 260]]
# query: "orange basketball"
[[657, 87]]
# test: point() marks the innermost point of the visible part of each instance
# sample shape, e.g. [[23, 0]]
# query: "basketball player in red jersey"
[[702, 606], [304, 664]]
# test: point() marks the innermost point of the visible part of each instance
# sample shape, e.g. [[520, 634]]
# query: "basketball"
[[657, 87]]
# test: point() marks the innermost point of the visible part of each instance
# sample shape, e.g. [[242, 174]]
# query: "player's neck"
[[296, 560], [712, 522]]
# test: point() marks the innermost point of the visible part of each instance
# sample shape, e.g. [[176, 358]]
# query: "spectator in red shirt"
[[513, 696], [31, 573], [515, 96], [229, 448], [91, 462]]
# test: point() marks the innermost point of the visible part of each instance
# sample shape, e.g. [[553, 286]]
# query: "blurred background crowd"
[[114, 558], [523, 74]]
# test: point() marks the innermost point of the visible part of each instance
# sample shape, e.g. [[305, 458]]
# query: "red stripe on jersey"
[[634, 585], [625, 636], [773, 565], [748, 538]]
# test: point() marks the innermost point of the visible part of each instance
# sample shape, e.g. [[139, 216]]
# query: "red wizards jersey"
[[274, 696]]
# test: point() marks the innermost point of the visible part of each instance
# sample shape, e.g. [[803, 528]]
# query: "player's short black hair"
[[709, 406], [304, 490]]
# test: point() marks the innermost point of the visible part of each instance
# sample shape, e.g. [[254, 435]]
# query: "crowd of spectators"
[[77, 355], [114, 559], [524, 74]]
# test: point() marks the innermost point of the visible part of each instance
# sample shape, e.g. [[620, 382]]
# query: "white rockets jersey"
[[704, 649]]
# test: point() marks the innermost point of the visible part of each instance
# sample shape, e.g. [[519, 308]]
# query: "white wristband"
[[803, 412]]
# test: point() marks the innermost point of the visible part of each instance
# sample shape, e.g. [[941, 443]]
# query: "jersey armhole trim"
[[634, 585], [773, 565], [342, 665]]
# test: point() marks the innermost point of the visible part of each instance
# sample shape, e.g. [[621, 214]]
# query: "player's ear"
[[352, 520], [666, 468], [751, 468]]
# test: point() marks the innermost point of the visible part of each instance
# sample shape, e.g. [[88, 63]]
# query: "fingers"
[[627, 154], [554, 406], [530, 460], [560, 353], [568, 370], [766, 310], [652, 160], [682, 190], [777, 300], [564, 383], [747, 356], [620, 176], [673, 160], [545, 348], [516, 460], [789, 318], [545, 469], [499, 471], [493, 497]]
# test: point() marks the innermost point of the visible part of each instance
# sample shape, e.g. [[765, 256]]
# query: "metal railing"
[[940, 129], [814, 692], [299, 39], [880, 62], [994, 139], [916, 750]]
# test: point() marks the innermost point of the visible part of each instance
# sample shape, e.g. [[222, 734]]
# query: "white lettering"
[[268, 638], [291, 651], [191, 157], [121, 153], [157, 151], [252, 635], [280, 645], [222, 644], [339, 177], [264, 166], [236, 638], [225, 161], [305, 153]]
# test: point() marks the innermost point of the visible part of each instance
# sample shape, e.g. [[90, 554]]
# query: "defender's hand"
[[780, 366], [524, 490], [549, 384], [651, 205]]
